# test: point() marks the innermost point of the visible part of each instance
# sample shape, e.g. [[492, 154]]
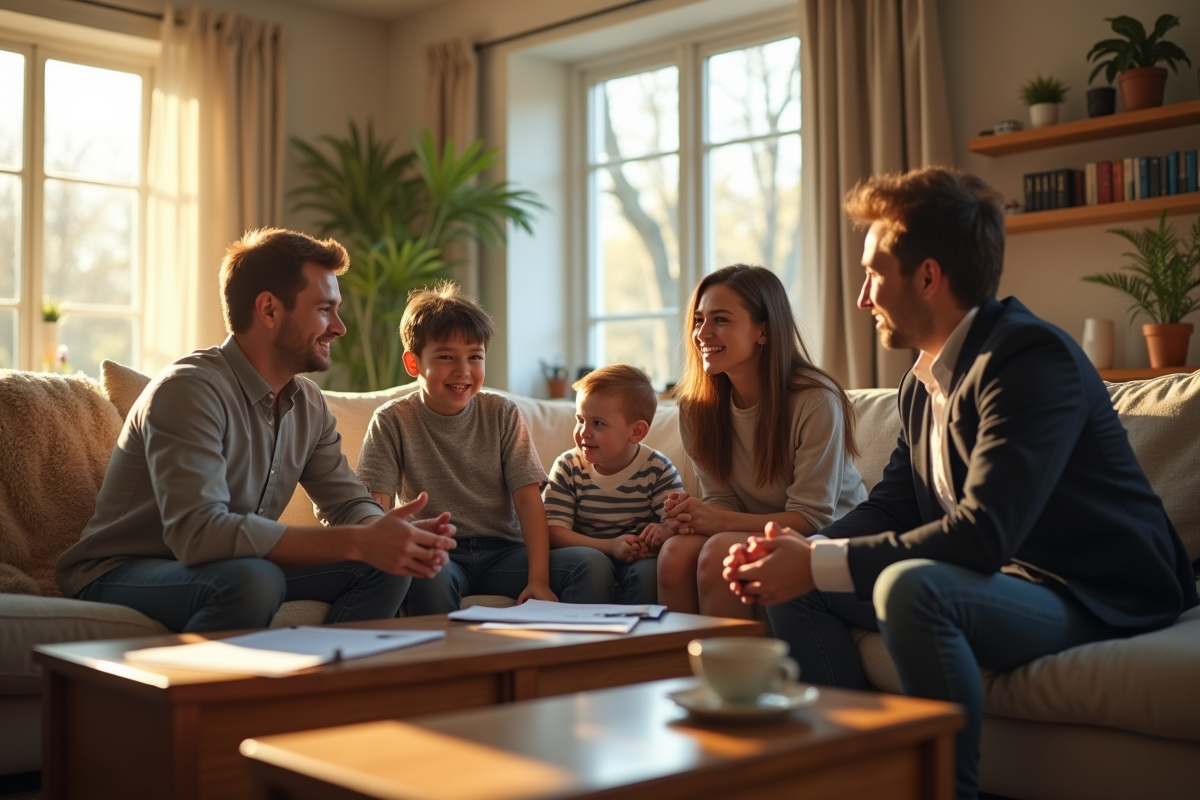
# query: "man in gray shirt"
[[186, 526]]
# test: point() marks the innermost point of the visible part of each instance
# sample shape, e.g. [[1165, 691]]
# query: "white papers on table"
[[541, 614], [611, 625], [280, 651]]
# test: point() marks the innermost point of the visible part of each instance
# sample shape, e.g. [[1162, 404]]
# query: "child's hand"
[[537, 591], [629, 548], [674, 499], [654, 534]]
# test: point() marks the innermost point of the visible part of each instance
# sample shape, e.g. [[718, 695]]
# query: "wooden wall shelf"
[[1098, 215], [1086, 130]]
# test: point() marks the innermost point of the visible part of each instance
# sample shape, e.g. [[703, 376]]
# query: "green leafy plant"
[[1162, 276], [1137, 49], [397, 214], [1043, 90], [51, 309], [553, 371]]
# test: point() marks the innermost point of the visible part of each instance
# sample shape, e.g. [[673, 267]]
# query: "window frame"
[[31, 273], [689, 53]]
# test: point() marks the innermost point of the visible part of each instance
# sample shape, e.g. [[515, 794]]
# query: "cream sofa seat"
[[1115, 719]]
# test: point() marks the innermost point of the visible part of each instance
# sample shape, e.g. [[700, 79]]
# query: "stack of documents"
[[540, 615], [281, 651]]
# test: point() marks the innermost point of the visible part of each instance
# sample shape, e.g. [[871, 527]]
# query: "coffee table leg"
[[937, 768], [53, 740]]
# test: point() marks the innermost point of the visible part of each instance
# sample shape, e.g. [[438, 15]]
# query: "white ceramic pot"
[[1043, 114], [49, 346], [1098, 342]]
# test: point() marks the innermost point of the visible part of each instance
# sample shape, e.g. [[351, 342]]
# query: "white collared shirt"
[[830, 557]]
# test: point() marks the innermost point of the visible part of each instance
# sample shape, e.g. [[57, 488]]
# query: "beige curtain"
[[873, 100], [450, 103], [216, 167]]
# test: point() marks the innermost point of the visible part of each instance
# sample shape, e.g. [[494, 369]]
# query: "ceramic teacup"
[[741, 669]]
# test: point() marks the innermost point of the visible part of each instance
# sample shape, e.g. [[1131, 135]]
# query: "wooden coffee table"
[[114, 729], [630, 742]]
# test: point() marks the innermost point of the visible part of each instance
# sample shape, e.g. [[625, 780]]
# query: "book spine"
[[1143, 177], [1193, 185], [1155, 188], [1172, 181], [1043, 199], [1130, 179], [1078, 197], [1104, 176], [1118, 181], [1089, 181], [1062, 195], [1029, 206]]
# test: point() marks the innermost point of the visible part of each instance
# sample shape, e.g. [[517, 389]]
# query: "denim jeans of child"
[[636, 582], [245, 592], [491, 565], [941, 624]]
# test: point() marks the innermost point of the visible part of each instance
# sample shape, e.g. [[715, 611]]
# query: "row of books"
[[1112, 181]]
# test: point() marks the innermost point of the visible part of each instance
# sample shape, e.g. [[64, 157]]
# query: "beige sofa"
[[1119, 719]]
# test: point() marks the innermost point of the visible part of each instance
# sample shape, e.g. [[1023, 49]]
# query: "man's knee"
[[245, 592], [906, 586]]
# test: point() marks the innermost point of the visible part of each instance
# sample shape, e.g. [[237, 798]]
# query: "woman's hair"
[[784, 368]]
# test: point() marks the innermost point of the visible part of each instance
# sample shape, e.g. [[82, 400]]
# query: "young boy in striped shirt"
[[609, 491]]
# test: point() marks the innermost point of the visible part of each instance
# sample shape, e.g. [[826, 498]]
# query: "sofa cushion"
[[121, 385], [56, 436], [876, 429], [27, 621], [1163, 420]]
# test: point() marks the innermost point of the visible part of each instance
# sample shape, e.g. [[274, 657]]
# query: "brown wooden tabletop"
[[629, 742], [102, 715]]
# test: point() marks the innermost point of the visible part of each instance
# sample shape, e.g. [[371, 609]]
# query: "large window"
[[72, 194], [693, 164]]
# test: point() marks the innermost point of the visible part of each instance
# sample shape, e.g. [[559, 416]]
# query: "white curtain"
[[450, 103], [873, 100], [215, 171]]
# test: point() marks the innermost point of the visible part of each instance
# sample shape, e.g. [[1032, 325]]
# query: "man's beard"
[[911, 324], [295, 353]]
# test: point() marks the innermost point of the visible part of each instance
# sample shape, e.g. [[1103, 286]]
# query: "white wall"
[[991, 48]]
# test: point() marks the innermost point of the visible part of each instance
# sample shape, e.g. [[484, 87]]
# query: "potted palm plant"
[[1043, 96], [396, 215], [1135, 58], [1160, 280]]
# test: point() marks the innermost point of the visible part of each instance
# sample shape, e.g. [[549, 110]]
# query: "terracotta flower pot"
[[1168, 343], [557, 387], [1142, 87]]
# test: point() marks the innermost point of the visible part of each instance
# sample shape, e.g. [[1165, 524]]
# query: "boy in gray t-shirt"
[[471, 453]]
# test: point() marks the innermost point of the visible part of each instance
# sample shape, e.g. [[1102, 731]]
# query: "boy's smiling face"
[[605, 438], [450, 373]]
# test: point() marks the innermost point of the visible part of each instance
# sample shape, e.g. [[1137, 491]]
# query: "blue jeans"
[[245, 592], [941, 624], [491, 565], [637, 582]]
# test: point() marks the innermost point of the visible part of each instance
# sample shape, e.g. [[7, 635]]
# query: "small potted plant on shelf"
[[1043, 96], [1133, 60], [556, 379], [1160, 280], [51, 313]]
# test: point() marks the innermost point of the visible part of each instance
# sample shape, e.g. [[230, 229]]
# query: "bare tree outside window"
[[750, 168]]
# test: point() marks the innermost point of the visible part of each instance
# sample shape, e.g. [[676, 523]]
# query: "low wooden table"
[[115, 729], [630, 742]]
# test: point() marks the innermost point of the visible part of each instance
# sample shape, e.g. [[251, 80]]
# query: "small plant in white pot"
[[51, 313], [1043, 96], [1164, 272]]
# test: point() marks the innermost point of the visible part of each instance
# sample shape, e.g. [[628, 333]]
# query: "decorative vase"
[[1101, 101], [49, 346], [558, 388], [1043, 114], [1142, 87], [1168, 343], [1098, 342]]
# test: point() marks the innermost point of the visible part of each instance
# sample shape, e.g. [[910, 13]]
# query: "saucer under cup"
[[741, 669]]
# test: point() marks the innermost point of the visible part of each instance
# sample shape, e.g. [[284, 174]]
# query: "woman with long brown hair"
[[769, 434]]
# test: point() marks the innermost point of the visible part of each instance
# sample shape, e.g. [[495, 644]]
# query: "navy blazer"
[[1046, 481]]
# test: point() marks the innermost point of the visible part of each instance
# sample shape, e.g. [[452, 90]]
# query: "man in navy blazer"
[[1013, 520]]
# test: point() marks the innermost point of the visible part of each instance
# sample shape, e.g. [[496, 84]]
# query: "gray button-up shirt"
[[203, 469]]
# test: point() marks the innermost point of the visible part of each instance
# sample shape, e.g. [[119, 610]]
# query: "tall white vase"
[[49, 346], [1098, 342]]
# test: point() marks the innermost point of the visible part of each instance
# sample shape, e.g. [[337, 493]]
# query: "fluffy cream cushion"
[[56, 436], [121, 385]]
